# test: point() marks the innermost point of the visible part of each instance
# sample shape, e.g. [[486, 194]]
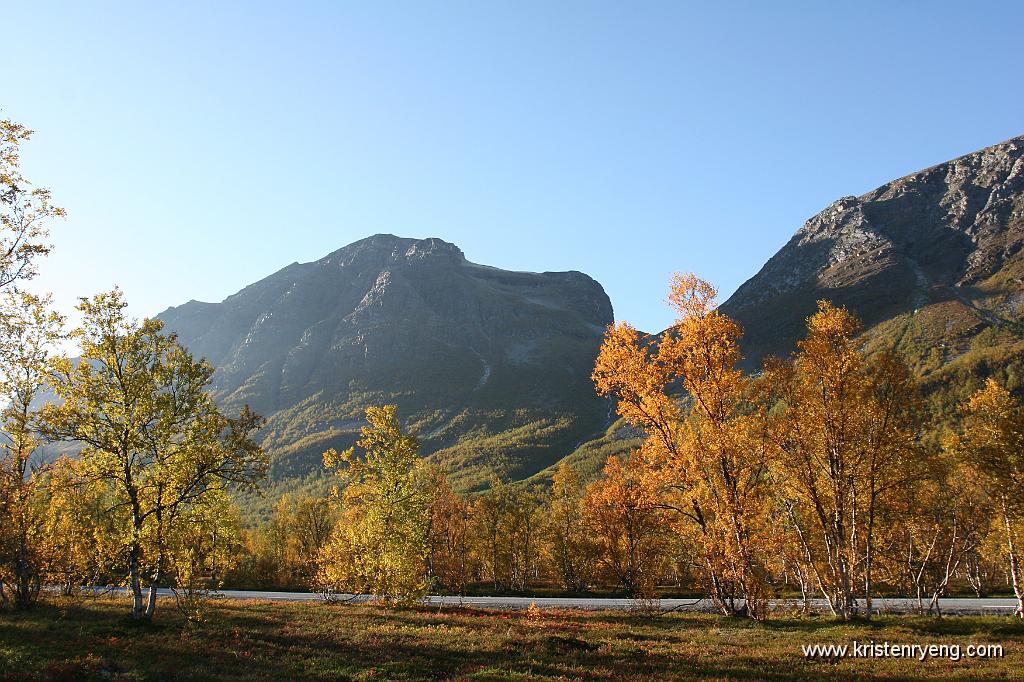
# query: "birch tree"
[[991, 444], [136, 401], [380, 543], [29, 331], [449, 537], [712, 458], [847, 449], [570, 549], [624, 516], [25, 211], [942, 526]]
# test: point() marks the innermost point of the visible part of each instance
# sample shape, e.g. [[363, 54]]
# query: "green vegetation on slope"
[[589, 458]]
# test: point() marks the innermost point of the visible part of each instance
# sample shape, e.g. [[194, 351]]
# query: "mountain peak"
[[390, 249], [463, 349]]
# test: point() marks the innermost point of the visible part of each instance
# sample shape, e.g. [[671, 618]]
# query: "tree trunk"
[[869, 562], [494, 557], [151, 598], [22, 576], [159, 570], [151, 601], [805, 591], [974, 575], [135, 581], [1015, 576]]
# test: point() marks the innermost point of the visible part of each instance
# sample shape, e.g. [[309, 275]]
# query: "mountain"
[[490, 368], [931, 262]]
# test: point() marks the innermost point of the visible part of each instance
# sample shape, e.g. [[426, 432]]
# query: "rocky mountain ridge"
[[490, 367], [943, 234]]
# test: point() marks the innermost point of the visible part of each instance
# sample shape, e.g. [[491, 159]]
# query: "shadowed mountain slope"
[[491, 368]]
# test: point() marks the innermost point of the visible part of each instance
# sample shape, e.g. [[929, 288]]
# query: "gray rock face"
[[461, 348], [922, 239]]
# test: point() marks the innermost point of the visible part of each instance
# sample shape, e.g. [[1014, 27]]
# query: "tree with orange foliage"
[[710, 463], [847, 451], [447, 535], [625, 518]]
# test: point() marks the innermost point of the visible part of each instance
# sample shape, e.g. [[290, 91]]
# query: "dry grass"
[[264, 640]]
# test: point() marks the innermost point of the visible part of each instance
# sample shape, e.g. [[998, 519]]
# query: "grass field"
[[273, 640]]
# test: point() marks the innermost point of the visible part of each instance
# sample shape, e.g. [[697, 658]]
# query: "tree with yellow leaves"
[[449, 536], [285, 551], [848, 449], [570, 548], [201, 548], [28, 332], [487, 514], [83, 538], [152, 436], [711, 460], [941, 527], [991, 444], [379, 545], [507, 530]]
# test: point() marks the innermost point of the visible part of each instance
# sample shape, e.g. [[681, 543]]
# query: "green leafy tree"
[[137, 403], [380, 544]]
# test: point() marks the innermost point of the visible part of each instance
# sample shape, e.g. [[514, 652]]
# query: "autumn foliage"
[[809, 469], [821, 475], [708, 459]]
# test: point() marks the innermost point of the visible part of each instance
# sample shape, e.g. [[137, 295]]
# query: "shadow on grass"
[[255, 641], [1003, 626]]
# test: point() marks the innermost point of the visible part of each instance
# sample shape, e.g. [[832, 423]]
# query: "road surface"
[[950, 605]]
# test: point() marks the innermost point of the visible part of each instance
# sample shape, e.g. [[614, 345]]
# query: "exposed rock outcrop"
[[470, 353], [927, 238]]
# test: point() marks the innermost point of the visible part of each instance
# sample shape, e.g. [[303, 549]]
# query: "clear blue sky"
[[201, 146]]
